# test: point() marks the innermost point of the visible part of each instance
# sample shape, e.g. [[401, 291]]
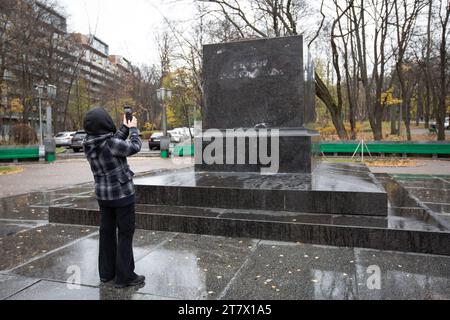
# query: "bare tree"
[[406, 13], [444, 82]]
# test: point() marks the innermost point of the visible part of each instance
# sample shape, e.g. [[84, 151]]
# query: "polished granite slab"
[[52, 290], [439, 208], [332, 189], [84, 255], [10, 228], [253, 82], [11, 284], [297, 151], [280, 271], [21, 247], [433, 192], [87, 213], [198, 267], [208, 265]]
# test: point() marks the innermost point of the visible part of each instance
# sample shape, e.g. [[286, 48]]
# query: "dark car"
[[154, 143], [77, 141]]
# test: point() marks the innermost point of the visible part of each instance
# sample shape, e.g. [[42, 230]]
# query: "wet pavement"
[[41, 261], [65, 173]]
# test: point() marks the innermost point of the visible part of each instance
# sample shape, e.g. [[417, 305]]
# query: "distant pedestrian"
[[107, 150]]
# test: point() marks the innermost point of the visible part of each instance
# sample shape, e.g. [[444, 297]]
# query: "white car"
[[446, 124], [189, 133], [64, 139], [177, 135]]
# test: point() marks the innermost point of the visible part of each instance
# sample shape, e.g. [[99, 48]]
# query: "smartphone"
[[128, 113]]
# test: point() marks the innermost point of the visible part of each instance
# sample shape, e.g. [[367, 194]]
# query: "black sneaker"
[[105, 280], [139, 280]]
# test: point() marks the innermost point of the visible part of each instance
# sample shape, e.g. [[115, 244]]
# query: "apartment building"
[[83, 57]]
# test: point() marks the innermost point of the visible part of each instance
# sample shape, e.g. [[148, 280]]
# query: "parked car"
[[446, 124], [176, 135], [154, 143], [77, 141], [64, 139]]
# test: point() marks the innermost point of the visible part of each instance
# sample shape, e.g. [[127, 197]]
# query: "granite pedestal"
[[297, 150], [254, 86]]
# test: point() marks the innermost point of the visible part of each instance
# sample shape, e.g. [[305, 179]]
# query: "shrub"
[[23, 134], [331, 130], [145, 135]]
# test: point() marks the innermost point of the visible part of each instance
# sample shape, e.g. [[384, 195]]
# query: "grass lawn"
[[10, 170], [60, 150], [378, 162]]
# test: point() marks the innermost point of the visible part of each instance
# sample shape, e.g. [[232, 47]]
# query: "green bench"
[[383, 148], [411, 148], [184, 151], [18, 153]]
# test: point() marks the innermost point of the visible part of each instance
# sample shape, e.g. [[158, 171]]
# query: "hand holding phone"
[[130, 124], [128, 113]]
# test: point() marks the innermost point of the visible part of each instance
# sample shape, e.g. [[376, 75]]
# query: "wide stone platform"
[[332, 189]]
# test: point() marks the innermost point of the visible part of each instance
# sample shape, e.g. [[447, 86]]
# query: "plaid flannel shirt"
[[107, 156]]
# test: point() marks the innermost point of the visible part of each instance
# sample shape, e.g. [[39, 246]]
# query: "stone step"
[[393, 233], [331, 189]]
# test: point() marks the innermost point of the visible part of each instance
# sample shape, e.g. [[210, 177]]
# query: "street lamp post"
[[51, 93], [47, 147], [40, 90], [163, 96]]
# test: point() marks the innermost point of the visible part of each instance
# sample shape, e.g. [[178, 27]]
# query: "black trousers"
[[116, 257]]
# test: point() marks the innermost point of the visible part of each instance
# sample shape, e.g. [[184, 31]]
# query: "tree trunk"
[[428, 71], [393, 111], [419, 114], [408, 120], [442, 112], [336, 113]]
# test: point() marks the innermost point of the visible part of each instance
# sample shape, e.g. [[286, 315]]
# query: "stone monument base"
[[297, 150]]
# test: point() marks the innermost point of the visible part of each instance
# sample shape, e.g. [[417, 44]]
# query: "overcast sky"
[[128, 26]]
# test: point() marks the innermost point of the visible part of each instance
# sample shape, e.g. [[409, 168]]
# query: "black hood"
[[98, 122]]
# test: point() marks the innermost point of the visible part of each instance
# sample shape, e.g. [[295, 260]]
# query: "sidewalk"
[[42, 176]]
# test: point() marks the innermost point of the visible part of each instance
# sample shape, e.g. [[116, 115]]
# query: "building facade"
[[67, 60]]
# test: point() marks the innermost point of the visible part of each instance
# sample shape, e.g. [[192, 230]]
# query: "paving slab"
[[442, 209], [194, 267], [12, 284], [9, 228], [83, 256], [431, 195], [21, 247], [304, 272], [49, 290], [20, 207]]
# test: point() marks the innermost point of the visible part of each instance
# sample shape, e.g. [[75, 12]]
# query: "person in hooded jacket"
[[107, 150]]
